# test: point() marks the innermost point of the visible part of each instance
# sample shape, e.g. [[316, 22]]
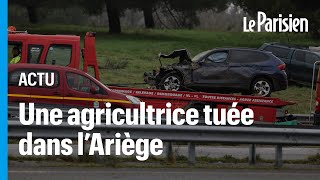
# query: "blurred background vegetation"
[[217, 15], [131, 33]]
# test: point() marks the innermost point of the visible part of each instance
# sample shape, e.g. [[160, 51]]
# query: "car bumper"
[[316, 119], [280, 82], [280, 85], [150, 78]]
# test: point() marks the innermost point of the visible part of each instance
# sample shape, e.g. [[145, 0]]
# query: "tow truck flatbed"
[[266, 109]]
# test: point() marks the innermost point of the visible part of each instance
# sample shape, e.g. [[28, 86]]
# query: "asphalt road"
[[157, 174]]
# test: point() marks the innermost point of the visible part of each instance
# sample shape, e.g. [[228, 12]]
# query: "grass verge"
[[113, 161]]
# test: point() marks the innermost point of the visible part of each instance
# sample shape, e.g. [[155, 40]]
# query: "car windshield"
[[199, 56], [98, 82]]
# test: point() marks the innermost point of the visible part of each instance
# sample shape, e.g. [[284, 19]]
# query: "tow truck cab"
[[63, 50]]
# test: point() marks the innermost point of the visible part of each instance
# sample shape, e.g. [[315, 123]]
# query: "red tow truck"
[[65, 50]]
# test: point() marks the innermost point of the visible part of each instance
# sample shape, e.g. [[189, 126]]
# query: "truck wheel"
[[261, 87], [171, 81]]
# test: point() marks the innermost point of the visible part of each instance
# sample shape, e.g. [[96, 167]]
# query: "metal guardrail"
[[190, 134], [303, 119], [217, 134]]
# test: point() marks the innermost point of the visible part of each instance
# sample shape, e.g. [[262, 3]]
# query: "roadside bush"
[[315, 159], [115, 64]]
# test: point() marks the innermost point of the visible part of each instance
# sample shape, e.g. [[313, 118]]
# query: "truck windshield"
[[59, 54], [14, 51]]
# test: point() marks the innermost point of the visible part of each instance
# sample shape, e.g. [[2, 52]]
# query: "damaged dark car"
[[224, 70]]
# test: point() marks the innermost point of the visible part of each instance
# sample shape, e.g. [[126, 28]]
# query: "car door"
[[77, 91], [242, 66], [212, 70], [16, 93]]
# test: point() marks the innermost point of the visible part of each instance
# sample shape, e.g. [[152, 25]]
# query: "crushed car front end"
[[181, 69]]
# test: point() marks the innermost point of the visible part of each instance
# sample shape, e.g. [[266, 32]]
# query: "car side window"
[[81, 83], [278, 51], [59, 54], [14, 77], [218, 57], [299, 55], [56, 78], [247, 56], [312, 58]]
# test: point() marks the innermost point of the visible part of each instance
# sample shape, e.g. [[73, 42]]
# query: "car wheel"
[[261, 87], [171, 82]]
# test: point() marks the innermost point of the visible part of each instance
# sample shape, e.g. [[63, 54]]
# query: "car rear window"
[[245, 56], [299, 56], [278, 51], [305, 56]]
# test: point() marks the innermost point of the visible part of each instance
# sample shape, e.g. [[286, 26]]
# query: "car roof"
[[42, 66], [44, 37], [206, 53], [290, 46], [241, 49], [307, 49]]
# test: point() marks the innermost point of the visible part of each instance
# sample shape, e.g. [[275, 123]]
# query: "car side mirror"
[[93, 90]]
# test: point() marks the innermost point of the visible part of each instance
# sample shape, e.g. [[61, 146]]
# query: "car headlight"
[[133, 100]]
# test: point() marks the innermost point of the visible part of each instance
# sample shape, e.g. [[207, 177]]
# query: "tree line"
[[186, 8]]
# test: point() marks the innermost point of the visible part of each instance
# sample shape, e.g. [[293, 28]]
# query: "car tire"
[[261, 87], [171, 81]]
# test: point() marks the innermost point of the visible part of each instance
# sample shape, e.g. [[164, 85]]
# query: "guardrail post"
[[100, 159], [84, 148], [252, 154], [278, 156], [191, 153], [169, 153]]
